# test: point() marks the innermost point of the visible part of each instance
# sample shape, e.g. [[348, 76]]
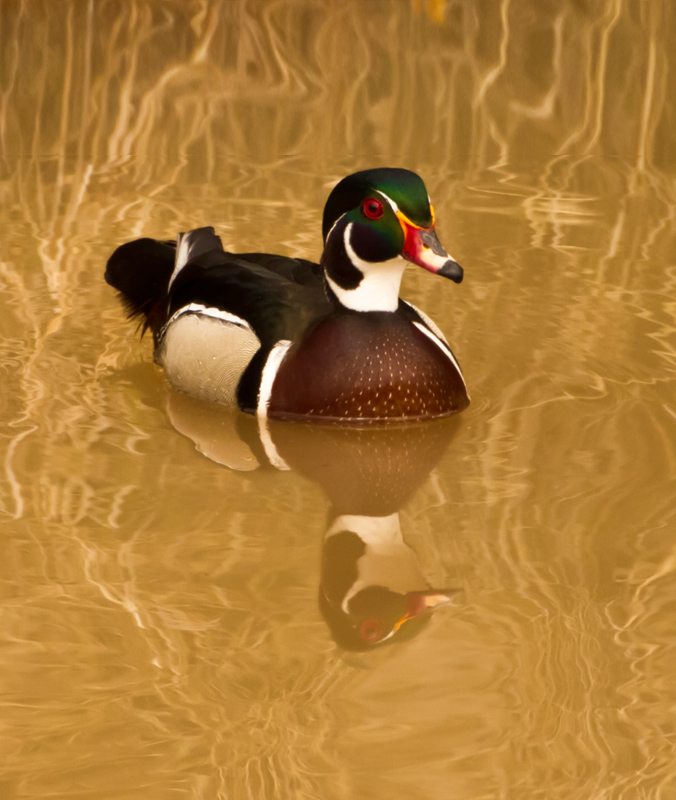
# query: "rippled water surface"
[[170, 603]]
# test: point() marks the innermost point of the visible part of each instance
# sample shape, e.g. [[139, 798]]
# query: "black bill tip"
[[452, 270]]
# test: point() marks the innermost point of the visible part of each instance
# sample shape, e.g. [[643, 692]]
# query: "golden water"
[[160, 631]]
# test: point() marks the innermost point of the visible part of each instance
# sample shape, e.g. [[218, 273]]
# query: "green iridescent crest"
[[402, 186]]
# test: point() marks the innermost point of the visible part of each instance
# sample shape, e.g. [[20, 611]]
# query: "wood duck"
[[285, 338]]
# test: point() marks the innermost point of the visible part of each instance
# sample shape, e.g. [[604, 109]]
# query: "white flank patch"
[[205, 350], [270, 371], [445, 349], [378, 290]]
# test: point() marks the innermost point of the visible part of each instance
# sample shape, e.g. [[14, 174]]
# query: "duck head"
[[375, 222]]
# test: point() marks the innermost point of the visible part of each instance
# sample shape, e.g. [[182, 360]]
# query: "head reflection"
[[372, 588]]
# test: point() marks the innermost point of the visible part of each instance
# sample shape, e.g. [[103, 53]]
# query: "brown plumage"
[[383, 367]]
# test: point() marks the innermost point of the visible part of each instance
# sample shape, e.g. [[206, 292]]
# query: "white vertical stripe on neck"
[[378, 290]]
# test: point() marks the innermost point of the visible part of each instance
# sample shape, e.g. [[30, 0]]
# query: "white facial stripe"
[[333, 226], [445, 349], [393, 205], [378, 290]]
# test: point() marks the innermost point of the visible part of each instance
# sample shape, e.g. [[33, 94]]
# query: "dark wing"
[[277, 296], [296, 270]]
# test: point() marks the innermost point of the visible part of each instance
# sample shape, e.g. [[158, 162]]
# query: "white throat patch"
[[379, 288]]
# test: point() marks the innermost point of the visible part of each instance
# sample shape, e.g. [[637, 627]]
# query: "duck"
[[288, 339]]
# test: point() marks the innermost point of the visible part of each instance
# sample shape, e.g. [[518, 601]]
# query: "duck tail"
[[140, 271], [144, 271]]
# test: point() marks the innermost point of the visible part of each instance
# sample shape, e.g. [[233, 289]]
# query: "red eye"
[[373, 208], [370, 630]]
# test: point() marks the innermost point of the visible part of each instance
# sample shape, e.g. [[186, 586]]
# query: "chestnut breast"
[[373, 365]]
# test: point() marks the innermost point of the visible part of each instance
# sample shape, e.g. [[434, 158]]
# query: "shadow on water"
[[372, 589]]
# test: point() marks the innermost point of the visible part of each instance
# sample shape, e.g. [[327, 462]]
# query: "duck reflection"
[[372, 587]]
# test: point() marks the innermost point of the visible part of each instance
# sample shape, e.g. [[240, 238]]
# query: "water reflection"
[[372, 589], [160, 631]]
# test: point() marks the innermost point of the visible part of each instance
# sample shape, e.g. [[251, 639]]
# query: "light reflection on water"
[[161, 627]]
